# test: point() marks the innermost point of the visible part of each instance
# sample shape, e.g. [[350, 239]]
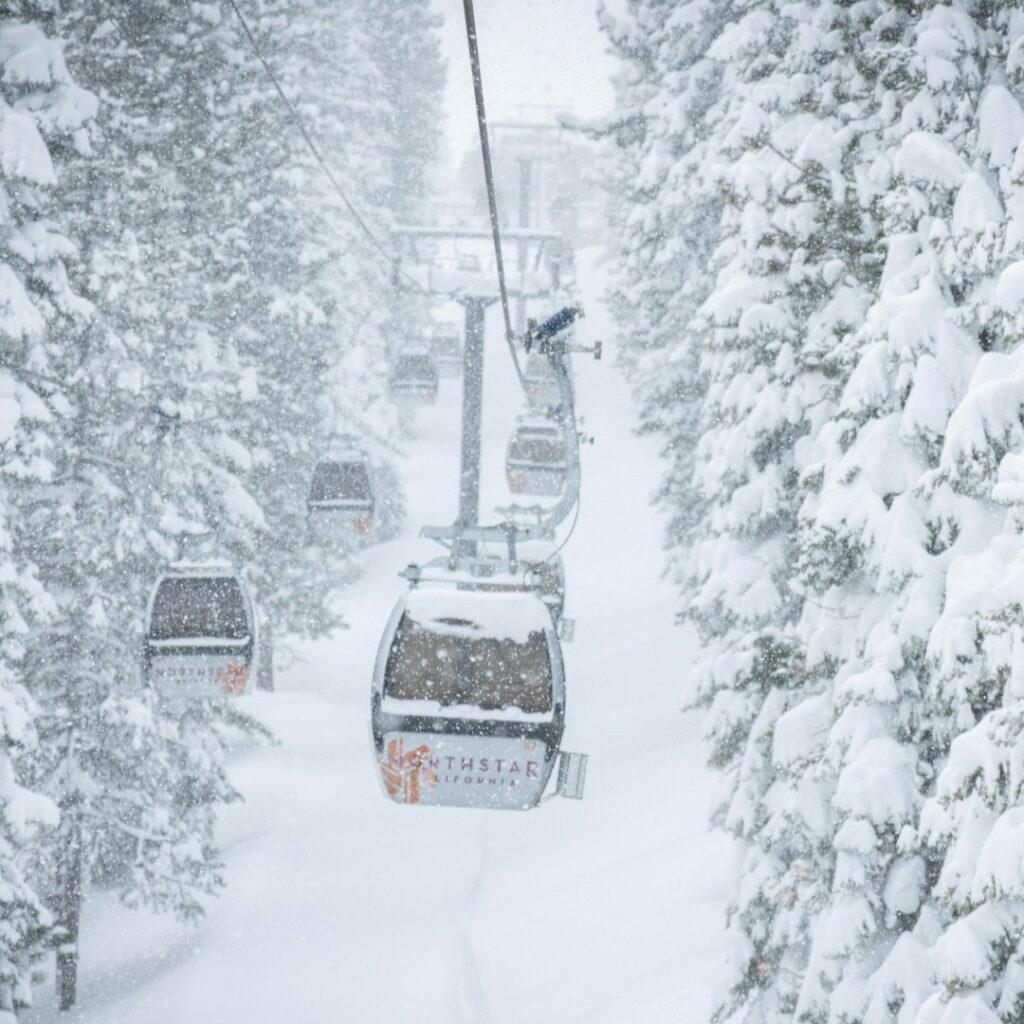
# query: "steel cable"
[[492, 201]]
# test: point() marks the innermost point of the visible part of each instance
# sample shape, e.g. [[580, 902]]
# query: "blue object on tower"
[[562, 319]]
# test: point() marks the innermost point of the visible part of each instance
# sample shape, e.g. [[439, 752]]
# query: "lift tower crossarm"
[[520, 235], [527, 126]]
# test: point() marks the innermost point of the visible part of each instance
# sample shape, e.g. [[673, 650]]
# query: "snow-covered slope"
[[342, 906]]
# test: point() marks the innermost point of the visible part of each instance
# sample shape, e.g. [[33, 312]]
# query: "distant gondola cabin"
[[541, 383], [342, 489], [447, 347], [536, 460], [415, 376], [201, 632]]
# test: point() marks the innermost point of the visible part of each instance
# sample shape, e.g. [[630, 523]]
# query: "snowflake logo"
[[406, 771], [233, 677]]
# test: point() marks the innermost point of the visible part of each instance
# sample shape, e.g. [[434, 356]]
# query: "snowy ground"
[[344, 907]]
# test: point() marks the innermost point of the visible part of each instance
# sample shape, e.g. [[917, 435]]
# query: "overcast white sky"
[[531, 52]]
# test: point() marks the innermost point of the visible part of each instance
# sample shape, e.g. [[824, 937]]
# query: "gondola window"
[[487, 672], [537, 450], [420, 367], [334, 481], [199, 607]]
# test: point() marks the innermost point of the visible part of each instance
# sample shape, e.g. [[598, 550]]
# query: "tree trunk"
[[69, 908]]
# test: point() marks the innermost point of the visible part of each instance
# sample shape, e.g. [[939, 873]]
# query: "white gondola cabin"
[[414, 376], [202, 633], [536, 461], [541, 382], [468, 701], [341, 495], [447, 347]]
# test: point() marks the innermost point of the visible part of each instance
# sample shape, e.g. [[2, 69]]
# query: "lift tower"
[[474, 293]]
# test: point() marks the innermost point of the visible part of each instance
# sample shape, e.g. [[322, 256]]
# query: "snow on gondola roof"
[[478, 614], [537, 425], [467, 712], [214, 567]]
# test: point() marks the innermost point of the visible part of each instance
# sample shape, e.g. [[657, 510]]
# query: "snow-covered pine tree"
[[888, 515], [113, 760], [873, 157], [970, 826], [27, 923], [42, 113], [792, 274], [790, 155], [665, 213]]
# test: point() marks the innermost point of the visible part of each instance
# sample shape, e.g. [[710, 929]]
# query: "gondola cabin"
[[341, 495], [201, 632], [447, 346], [415, 377], [468, 701], [541, 381], [535, 461]]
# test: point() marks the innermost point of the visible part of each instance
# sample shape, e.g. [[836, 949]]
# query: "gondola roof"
[[214, 567], [473, 613]]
